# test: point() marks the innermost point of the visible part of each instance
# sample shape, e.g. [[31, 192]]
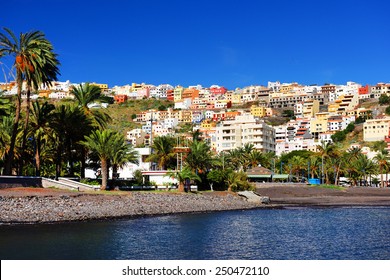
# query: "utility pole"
[[322, 170]]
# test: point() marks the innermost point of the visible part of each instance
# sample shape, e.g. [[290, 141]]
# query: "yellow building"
[[177, 93], [101, 86], [344, 103], [360, 112], [207, 124], [319, 124], [258, 111], [310, 108], [376, 129], [236, 98]]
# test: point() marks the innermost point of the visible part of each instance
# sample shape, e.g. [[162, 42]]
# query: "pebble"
[[50, 209]]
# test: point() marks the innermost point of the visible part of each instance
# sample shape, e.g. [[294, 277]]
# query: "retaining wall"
[[19, 181]]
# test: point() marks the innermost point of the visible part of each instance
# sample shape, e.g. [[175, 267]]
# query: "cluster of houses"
[[320, 111]]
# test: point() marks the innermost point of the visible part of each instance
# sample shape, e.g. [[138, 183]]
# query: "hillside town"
[[226, 121]]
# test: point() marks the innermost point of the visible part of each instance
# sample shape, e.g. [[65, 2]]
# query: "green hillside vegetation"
[[123, 114]]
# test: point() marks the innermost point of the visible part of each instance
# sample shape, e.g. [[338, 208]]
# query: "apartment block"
[[258, 111], [379, 89], [245, 129], [310, 108], [376, 129]]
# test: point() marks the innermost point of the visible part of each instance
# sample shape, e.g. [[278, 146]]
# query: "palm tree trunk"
[[181, 187], [38, 158], [114, 171], [82, 164], [104, 167], [21, 161], [10, 154], [381, 170], [58, 160]]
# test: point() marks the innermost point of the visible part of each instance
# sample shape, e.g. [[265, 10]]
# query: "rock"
[[265, 200]]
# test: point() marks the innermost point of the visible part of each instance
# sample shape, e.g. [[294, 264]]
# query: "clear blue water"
[[295, 233]]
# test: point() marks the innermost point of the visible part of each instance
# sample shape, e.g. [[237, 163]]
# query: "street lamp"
[[322, 170]]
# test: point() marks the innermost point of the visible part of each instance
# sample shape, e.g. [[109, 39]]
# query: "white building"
[[160, 91], [294, 145], [244, 129]]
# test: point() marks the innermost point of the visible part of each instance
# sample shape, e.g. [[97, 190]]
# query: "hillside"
[[122, 114]]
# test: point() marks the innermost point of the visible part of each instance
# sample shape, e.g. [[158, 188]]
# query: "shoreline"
[[29, 206]]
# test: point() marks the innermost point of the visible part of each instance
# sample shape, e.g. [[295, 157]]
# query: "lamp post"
[[281, 166], [322, 170]]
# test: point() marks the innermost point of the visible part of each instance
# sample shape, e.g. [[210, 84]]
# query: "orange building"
[[120, 98], [190, 93], [364, 90], [170, 95]]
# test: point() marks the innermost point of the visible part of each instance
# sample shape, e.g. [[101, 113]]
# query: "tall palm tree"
[[382, 158], [85, 95], [325, 150], [35, 62], [41, 116], [66, 135]]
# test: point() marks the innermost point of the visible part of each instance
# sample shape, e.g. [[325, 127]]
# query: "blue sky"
[[230, 43]]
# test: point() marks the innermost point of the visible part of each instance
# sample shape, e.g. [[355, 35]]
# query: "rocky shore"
[[39, 205], [45, 206]]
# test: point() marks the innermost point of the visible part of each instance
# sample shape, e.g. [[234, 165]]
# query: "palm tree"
[[35, 62], [255, 158], [379, 145], [163, 152], [218, 176], [104, 144], [200, 158], [5, 107], [237, 181], [85, 95], [5, 135], [326, 150], [363, 166], [66, 135], [182, 176], [41, 115], [381, 159], [298, 164], [233, 159], [123, 154]]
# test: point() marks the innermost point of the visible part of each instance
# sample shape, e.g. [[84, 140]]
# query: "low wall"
[[37, 182], [19, 181], [47, 183]]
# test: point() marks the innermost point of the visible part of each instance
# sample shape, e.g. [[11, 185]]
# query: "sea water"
[[340, 233]]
